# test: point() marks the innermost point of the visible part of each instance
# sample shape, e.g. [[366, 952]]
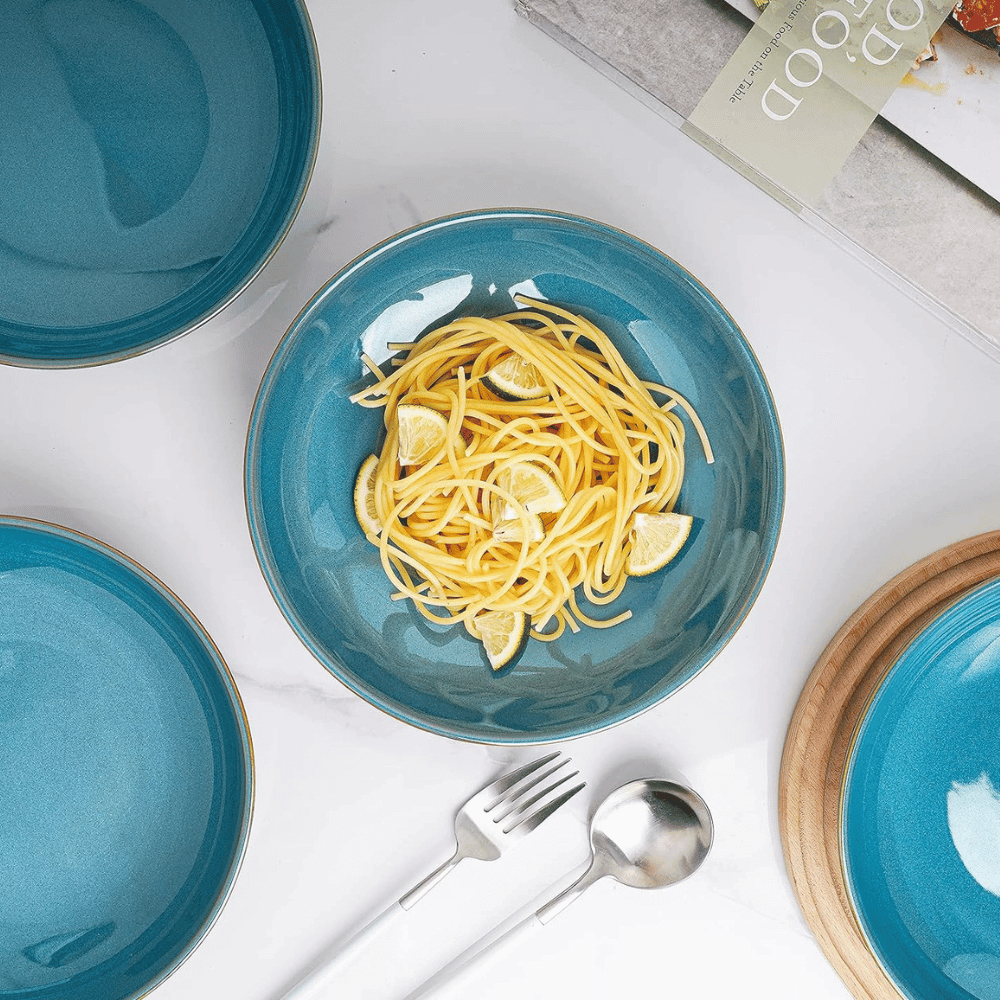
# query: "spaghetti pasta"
[[520, 504]]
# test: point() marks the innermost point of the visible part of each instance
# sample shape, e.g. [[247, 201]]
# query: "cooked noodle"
[[609, 446]]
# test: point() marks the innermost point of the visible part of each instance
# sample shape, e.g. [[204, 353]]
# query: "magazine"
[[918, 197], [949, 102]]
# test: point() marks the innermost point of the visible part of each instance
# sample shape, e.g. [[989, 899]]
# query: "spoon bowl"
[[647, 834]]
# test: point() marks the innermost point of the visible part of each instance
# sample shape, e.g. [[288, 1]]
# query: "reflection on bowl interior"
[[152, 155], [124, 780], [922, 808]]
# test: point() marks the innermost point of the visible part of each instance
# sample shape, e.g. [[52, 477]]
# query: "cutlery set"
[[647, 834]]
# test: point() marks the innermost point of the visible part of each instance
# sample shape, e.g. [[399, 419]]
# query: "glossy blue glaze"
[[306, 442], [921, 814], [153, 153], [125, 776]]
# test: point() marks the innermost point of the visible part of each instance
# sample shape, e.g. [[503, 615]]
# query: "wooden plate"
[[821, 734]]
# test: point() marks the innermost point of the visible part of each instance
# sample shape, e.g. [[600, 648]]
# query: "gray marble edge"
[[944, 229]]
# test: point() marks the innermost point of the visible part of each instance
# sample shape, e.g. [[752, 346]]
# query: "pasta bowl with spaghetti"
[[486, 418]]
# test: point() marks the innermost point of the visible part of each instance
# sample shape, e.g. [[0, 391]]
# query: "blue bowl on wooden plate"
[[307, 440], [920, 824], [126, 777], [153, 154]]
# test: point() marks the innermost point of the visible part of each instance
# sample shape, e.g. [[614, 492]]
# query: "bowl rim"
[[969, 608], [316, 118], [254, 517], [130, 565]]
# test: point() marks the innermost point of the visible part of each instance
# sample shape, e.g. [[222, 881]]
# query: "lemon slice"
[[515, 379], [503, 635], [364, 496], [656, 539], [532, 487], [421, 432], [514, 529]]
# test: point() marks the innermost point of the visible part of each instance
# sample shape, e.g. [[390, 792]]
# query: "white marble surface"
[[890, 424]]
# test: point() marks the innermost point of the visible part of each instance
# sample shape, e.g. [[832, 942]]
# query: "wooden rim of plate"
[[821, 736]]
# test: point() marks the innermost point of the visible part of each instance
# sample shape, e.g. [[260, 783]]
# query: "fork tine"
[[522, 806], [525, 824], [506, 803], [511, 778]]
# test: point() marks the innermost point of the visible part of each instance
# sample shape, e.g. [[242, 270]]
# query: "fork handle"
[[451, 980], [424, 886], [327, 967]]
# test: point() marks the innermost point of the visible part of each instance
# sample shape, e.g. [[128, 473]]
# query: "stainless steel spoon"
[[647, 834]]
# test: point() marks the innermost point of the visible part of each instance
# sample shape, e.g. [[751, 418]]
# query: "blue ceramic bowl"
[[306, 442], [920, 830], [125, 777], [153, 153]]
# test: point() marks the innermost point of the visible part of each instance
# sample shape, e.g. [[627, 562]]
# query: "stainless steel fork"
[[494, 819]]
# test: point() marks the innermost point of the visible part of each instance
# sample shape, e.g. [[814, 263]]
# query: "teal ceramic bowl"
[[153, 154], [920, 829], [307, 440], [126, 777]]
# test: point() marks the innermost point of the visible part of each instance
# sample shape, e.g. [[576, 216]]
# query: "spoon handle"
[[560, 901], [489, 947]]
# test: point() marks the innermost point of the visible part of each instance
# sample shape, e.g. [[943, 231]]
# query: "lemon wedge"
[[515, 379], [364, 496], [516, 530], [422, 431], [656, 539], [503, 635], [532, 487]]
